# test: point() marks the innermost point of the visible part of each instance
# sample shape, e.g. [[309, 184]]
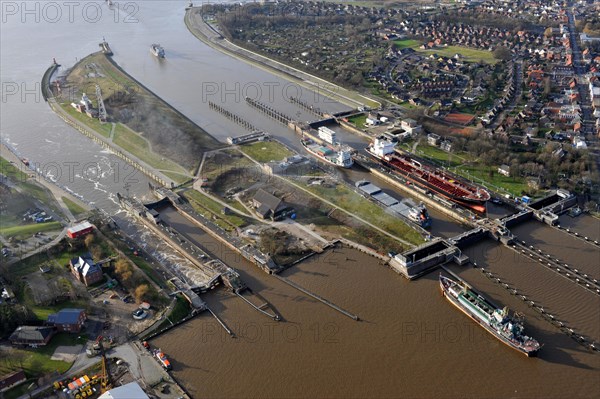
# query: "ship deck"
[[454, 189]]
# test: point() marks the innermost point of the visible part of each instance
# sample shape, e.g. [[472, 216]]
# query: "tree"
[[89, 240], [141, 292], [124, 270]]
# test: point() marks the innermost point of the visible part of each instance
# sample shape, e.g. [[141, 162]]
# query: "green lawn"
[[468, 54], [442, 157], [138, 146], [102, 128], [36, 362], [75, 208], [266, 151], [12, 171], [353, 202], [29, 229], [478, 173], [358, 120], [202, 203], [406, 43]]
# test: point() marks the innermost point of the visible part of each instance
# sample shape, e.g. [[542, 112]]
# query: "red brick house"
[[85, 270], [68, 320]]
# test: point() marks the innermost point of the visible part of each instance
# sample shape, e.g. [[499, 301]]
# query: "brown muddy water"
[[410, 342]]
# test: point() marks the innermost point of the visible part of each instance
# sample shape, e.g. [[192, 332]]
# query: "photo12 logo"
[[54, 12]]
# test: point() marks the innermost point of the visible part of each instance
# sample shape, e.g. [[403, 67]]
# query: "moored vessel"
[[506, 328], [339, 156], [436, 180], [162, 359]]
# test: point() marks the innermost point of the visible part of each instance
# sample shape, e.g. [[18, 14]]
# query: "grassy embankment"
[[354, 203], [20, 176], [76, 209], [29, 229], [203, 204], [465, 165]]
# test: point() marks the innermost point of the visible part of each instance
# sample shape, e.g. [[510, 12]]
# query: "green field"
[[353, 202], [478, 173], [102, 128], [266, 151], [75, 208], [37, 361], [407, 43], [138, 146], [442, 157], [464, 165], [13, 172], [201, 203], [358, 120], [29, 229], [468, 54]]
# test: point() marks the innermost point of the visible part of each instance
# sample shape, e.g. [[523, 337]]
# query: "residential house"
[[31, 336], [269, 206], [504, 170], [68, 320], [411, 126], [86, 270], [433, 139], [12, 379]]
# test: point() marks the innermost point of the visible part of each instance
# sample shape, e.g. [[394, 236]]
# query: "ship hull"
[[477, 205], [454, 301]]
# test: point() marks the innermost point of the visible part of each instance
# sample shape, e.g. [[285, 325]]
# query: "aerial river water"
[[410, 341]]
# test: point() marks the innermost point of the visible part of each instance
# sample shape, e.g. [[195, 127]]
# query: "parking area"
[[116, 316]]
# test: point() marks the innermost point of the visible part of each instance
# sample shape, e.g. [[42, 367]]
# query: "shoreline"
[[101, 140], [138, 163], [208, 35]]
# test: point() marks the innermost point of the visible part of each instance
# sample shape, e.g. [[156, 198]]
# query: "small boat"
[[163, 360], [157, 50]]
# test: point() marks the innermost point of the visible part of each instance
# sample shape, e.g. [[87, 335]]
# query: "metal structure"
[[101, 109]]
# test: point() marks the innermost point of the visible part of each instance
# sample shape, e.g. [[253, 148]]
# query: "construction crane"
[[105, 383], [101, 109]]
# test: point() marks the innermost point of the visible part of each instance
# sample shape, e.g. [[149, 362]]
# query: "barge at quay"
[[496, 321], [327, 149], [436, 180]]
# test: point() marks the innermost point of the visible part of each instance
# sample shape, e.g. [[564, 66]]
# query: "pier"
[[583, 280], [248, 138], [307, 107], [105, 48], [231, 116], [270, 112], [222, 323], [260, 308], [194, 299], [318, 298]]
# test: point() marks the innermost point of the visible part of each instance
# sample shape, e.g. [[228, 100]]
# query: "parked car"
[[139, 314]]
